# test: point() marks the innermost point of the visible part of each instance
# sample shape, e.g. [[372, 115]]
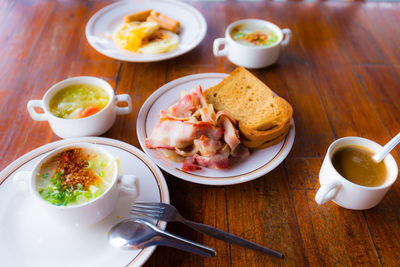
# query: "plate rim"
[[10, 169], [218, 181], [159, 57]]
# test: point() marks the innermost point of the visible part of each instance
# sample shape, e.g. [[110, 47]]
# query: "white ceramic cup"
[[247, 56], [93, 125], [87, 213], [345, 193]]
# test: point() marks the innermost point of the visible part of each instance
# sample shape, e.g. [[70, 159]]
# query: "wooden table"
[[341, 73]]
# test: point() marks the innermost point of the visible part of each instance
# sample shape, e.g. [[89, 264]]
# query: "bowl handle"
[[217, 43], [288, 34], [327, 192], [31, 109], [129, 185], [123, 98]]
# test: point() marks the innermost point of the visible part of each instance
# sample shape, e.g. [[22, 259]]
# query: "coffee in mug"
[[355, 163], [350, 179]]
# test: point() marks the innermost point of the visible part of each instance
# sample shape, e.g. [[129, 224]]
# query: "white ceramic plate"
[[27, 238], [257, 164], [105, 21]]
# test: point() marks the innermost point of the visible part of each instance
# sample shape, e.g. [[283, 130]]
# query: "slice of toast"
[[267, 143], [260, 137], [249, 100]]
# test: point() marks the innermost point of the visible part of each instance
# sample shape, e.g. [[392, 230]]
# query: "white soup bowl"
[[251, 56], [86, 213], [93, 125]]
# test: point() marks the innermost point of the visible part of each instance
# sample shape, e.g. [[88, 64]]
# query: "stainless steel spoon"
[[138, 234]]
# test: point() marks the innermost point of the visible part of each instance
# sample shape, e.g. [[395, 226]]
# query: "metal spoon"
[[138, 234]]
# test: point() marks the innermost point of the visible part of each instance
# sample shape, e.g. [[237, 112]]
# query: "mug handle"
[[129, 185], [327, 192], [217, 43], [288, 34], [123, 98], [31, 109], [22, 179]]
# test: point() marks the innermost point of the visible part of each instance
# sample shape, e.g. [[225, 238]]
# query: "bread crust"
[[260, 137], [268, 143]]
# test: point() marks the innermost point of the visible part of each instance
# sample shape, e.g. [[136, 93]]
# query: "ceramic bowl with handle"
[[93, 125], [251, 56], [86, 213]]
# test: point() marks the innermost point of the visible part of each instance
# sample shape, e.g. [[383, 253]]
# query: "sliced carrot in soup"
[[89, 111]]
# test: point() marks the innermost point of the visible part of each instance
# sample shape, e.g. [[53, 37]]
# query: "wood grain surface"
[[341, 73]]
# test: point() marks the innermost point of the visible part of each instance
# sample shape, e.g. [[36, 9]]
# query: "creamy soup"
[[251, 35], [78, 101], [74, 176]]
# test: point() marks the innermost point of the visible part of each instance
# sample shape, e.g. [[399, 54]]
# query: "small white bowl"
[[247, 56], [86, 213], [93, 125]]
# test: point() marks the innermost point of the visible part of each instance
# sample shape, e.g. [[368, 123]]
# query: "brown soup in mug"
[[355, 163]]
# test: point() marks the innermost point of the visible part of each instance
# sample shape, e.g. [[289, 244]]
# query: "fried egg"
[[130, 36], [161, 42]]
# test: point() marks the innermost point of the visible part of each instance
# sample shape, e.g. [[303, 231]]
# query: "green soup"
[[78, 101], [74, 176]]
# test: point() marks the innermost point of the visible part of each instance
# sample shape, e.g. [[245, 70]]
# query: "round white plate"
[[103, 24], [259, 162], [28, 238]]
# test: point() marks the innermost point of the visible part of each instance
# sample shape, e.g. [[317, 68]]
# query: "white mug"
[[86, 213], [251, 57], [93, 125], [345, 193]]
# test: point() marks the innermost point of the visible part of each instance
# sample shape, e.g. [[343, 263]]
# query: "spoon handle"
[[170, 240], [380, 155]]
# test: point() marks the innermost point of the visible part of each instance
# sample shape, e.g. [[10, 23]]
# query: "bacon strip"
[[231, 135], [198, 94], [207, 146], [189, 165], [223, 113], [151, 143], [181, 134], [183, 109], [208, 115], [216, 161]]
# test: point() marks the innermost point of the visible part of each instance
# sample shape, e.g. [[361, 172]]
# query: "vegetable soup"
[[247, 34], [74, 176], [78, 101]]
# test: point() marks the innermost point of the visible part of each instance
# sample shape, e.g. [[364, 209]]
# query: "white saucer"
[[103, 24], [29, 238], [260, 161]]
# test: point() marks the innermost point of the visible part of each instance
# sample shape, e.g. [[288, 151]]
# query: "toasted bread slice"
[[249, 100], [260, 137], [268, 143]]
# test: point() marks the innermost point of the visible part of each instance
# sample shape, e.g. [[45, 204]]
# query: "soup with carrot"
[[78, 101]]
